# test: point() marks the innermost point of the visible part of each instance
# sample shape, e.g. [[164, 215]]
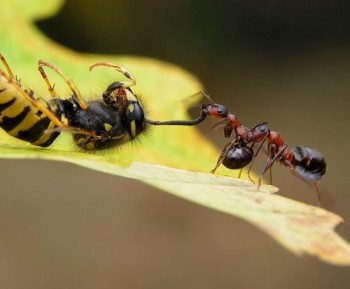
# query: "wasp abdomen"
[[20, 119]]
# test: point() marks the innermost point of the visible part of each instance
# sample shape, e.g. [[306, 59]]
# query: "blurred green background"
[[287, 62]]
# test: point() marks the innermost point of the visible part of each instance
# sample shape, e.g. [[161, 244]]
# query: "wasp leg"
[[75, 130], [4, 62], [83, 105], [119, 68], [47, 81], [29, 97]]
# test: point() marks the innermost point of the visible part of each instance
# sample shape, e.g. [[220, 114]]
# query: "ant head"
[[215, 111], [261, 128]]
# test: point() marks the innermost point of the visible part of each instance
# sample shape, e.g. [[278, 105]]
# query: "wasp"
[[115, 118]]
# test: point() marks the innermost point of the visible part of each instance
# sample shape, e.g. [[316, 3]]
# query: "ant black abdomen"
[[238, 157]]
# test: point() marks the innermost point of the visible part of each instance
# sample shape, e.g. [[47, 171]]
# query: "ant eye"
[[263, 128], [222, 110]]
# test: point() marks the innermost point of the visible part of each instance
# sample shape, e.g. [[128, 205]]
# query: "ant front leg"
[[271, 160], [222, 157], [251, 163], [255, 137]]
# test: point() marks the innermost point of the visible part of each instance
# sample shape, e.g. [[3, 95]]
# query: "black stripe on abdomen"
[[9, 123], [36, 131], [5, 105]]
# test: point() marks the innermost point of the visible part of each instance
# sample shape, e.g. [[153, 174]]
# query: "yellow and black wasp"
[[114, 119]]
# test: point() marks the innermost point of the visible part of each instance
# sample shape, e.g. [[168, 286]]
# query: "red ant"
[[304, 162]]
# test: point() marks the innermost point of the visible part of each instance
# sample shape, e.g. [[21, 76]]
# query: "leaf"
[[298, 227]]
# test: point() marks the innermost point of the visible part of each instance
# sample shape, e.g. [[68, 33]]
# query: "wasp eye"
[[135, 118]]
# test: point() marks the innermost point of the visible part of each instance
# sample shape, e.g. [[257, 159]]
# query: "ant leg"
[[270, 161], [4, 62], [317, 193], [223, 155], [312, 184], [270, 170], [119, 68], [30, 98], [220, 159], [83, 105], [255, 155]]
